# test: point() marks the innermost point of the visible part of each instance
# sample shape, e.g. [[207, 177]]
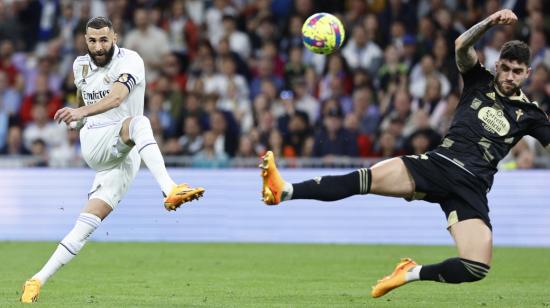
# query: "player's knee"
[[138, 124], [474, 271]]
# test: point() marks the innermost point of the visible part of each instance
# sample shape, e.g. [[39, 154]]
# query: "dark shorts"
[[460, 194]]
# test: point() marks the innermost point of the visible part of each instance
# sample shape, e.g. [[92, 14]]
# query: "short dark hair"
[[516, 51], [99, 22]]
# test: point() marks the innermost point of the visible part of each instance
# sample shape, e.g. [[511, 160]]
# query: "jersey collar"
[[115, 53], [521, 97]]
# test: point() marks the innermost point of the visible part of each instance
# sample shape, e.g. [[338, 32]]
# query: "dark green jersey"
[[487, 124]]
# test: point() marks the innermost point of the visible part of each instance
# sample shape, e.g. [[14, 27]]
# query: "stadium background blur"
[[227, 80]]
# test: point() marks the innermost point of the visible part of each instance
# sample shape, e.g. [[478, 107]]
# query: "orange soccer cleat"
[[31, 289], [273, 183], [180, 194], [396, 279]]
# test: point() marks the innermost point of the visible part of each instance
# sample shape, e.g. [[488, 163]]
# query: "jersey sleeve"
[[541, 131], [476, 75], [131, 70]]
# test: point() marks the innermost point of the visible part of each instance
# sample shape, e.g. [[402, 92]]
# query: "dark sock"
[[331, 188], [455, 270]]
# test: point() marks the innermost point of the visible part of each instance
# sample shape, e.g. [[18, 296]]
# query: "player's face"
[[101, 45], [510, 75]]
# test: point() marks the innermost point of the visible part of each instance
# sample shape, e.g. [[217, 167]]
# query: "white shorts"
[[116, 164]]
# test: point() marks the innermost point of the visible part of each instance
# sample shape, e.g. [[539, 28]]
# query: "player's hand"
[[503, 17], [68, 115]]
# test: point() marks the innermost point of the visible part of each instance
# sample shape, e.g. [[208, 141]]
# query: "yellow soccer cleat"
[[180, 194], [273, 183], [396, 279], [31, 289]]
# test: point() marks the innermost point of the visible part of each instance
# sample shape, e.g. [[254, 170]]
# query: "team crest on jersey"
[[519, 113], [85, 68], [123, 78], [494, 120]]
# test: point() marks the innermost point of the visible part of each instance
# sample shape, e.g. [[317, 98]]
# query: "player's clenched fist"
[[68, 115], [503, 17]]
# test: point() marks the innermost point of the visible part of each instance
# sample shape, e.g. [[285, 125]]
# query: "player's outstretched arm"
[[116, 96], [465, 54]]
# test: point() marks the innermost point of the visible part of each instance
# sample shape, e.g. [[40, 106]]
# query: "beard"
[[512, 91], [108, 56]]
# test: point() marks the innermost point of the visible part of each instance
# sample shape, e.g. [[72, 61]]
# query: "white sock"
[[142, 135], [69, 246], [288, 189], [413, 274]]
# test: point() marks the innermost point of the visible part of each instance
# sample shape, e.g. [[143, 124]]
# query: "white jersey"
[[95, 83]]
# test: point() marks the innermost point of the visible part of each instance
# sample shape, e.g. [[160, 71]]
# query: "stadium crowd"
[[230, 78]]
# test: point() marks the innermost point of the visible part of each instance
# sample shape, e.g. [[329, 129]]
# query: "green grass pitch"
[[263, 275]]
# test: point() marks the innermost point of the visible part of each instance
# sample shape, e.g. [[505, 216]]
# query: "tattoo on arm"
[[465, 53]]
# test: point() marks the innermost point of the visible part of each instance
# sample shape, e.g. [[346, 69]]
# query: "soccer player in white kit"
[[115, 137]]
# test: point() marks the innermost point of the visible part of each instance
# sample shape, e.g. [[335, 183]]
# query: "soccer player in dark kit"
[[492, 116]]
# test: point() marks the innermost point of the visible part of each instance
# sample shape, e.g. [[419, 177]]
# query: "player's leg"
[[473, 239], [89, 219], [137, 130], [387, 178]]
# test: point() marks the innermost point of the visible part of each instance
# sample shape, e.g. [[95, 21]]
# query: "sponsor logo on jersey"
[[494, 121], [491, 95], [94, 96]]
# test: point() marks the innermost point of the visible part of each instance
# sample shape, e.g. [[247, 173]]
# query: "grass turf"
[[263, 275]]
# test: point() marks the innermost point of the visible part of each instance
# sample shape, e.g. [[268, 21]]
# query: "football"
[[323, 33]]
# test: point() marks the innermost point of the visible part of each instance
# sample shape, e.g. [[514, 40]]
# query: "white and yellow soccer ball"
[[323, 33]]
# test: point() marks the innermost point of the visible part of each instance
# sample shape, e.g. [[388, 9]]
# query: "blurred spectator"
[[8, 66], [10, 99], [44, 67], [492, 50], [364, 141], [538, 89], [226, 139], [67, 154], [265, 72], [209, 157], [445, 62], [333, 139], [540, 53], [51, 133], [297, 139], [386, 146], [304, 101], [238, 40], [42, 96], [419, 76], [213, 19], [336, 76], [246, 148], [182, 31], [191, 142], [362, 53], [392, 71], [292, 37], [158, 106], [366, 111], [14, 143], [39, 152], [9, 27], [149, 41]]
